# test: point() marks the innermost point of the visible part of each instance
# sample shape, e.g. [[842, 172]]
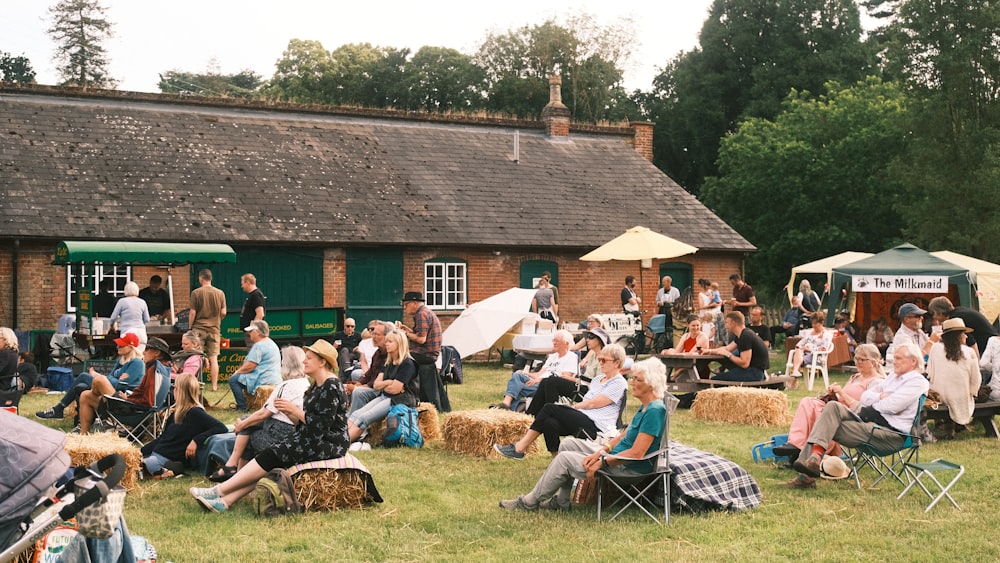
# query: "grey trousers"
[[838, 423], [565, 467]]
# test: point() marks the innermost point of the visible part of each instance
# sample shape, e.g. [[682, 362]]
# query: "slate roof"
[[159, 168]]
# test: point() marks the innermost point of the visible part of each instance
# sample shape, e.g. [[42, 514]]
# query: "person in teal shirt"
[[580, 459]]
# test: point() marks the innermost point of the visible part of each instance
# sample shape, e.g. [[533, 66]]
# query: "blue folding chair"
[[657, 337]]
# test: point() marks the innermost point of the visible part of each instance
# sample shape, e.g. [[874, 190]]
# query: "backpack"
[[275, 494], [401, 428]]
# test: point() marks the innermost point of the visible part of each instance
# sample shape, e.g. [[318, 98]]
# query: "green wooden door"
[[531, 270], [681, 275], [374, 284], [289, 277]]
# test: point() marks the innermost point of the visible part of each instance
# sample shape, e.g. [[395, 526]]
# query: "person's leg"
[[515, 385], [796, 362], [239, 391], [241, 484], [565, 467], [741, 374], [213, 370], [89, 401], [359, 420], [154, 463], [360, 397]]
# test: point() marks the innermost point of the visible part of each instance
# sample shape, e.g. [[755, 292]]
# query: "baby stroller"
[[36, 462]]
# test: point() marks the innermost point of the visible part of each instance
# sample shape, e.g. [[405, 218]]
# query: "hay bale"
[[427, 420], [330, 489], [84, 450], [475, 432], [260, 397], [742, 405]]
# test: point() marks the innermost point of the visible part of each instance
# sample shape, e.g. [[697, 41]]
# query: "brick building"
[[335, 206]]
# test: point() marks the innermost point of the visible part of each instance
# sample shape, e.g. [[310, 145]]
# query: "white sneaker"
[[360, 446]]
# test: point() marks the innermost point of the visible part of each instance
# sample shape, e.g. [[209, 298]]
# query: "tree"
[[78, 28], [751, 54], [587, 56], [16, 69], [947, 54], [442, 79], [243, 84], [816, 180], [301, 73]]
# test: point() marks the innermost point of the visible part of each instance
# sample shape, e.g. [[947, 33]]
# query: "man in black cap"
[[425, 345]]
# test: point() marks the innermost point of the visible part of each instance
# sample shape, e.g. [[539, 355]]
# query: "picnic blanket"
[[702, 481]]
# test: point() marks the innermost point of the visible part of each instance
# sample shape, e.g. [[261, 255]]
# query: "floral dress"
[[324, 433]]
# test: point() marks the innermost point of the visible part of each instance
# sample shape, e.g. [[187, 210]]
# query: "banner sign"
[[899, 284]]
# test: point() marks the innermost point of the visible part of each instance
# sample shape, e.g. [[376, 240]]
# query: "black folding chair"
[[138, 423]]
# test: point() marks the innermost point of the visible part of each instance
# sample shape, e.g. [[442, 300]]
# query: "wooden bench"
[[983, 414]]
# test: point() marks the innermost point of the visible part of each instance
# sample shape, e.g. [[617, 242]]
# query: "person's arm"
[[534, 305], [255, 419], [743, 360], [246, 367], [258, 314], [294, 412], [210, 426]]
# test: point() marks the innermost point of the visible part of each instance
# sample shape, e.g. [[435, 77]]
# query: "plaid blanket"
[[702, 481]]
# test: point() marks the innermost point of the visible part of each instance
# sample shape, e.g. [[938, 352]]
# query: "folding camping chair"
[[868, 454], [916, 471], [138, 423], [639, 490]]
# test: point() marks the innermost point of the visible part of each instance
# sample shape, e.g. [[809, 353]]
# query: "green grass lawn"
[[443, 506]]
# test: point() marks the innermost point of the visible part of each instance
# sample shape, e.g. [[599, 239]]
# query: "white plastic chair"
[[818, 363]]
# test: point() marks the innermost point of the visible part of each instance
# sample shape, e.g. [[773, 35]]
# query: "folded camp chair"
[[639, 490], [867, 454], [657, 337], [139, 423]]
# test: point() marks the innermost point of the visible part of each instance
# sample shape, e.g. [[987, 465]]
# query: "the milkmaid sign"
[[899, 284]]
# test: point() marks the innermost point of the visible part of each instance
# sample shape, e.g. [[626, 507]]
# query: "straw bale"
[[84, 450], [330, 489], [427, 420], [475, 432], [742, 405], [70, 411], [260, 397]]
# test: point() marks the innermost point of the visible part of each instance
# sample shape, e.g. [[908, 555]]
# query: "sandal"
[[223, 474]]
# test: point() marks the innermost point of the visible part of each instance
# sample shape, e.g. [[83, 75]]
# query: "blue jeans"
[[360, 397], [374, 411], [239, 390], [741, 374], [518, 388], [154, 463]]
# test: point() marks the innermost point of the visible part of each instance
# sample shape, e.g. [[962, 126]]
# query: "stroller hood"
[[32, 459]]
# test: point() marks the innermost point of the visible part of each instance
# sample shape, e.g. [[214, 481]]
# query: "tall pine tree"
[[79, 28]]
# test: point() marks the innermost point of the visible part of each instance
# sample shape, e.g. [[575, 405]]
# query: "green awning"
[[146, 253]]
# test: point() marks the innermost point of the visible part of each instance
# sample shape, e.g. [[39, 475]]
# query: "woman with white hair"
[[580, 459], [132, 314]]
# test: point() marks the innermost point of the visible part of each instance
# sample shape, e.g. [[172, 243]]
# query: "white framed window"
[[81, 276], [445, 283]]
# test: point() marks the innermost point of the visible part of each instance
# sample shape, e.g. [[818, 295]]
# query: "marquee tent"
[[987, 280], [884, 281], [822, 266]]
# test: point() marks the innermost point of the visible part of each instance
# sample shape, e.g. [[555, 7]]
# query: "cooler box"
[[58, 378]]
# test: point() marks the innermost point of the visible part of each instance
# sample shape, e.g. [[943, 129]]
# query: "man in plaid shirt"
[[425, 346]]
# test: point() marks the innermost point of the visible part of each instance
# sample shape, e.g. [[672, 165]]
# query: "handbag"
[[100, 518]]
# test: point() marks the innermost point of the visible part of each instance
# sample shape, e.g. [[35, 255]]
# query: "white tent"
[[822, 266], [987, 280]]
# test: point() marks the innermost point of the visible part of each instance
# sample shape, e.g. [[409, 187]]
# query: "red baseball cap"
[[128, 339]]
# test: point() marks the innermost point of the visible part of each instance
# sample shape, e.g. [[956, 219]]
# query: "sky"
[[191, 35]]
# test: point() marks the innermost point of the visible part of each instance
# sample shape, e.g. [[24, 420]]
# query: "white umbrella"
[[639, 243], [483, 323]]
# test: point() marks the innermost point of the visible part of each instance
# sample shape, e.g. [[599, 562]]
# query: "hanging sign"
[[899, 284]]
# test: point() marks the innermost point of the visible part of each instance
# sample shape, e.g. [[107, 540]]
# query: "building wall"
[[584, 287]]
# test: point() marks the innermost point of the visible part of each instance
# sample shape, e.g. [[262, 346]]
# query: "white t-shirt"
[[559, 365], [367, 348], [293, 390]]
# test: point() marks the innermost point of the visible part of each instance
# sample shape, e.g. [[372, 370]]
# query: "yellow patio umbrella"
[[639, 243]]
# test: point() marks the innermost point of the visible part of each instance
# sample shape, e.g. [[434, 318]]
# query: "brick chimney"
[[642, 138], [555, 114]]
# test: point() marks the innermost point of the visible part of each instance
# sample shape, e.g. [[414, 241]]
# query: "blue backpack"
[[401, 428]]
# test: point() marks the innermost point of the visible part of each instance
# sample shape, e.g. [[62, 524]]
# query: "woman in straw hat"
[[320, 431], [868, 360], [953, 371]]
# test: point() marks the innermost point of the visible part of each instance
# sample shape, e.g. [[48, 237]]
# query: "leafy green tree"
[[814, 181], [587, 56], [947, 54], [16, 69], [242, 84], [442, 79], [302, 73], [79, 28], [751, 54]]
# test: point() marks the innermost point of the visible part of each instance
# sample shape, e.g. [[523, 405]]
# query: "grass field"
[[443, 506]]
